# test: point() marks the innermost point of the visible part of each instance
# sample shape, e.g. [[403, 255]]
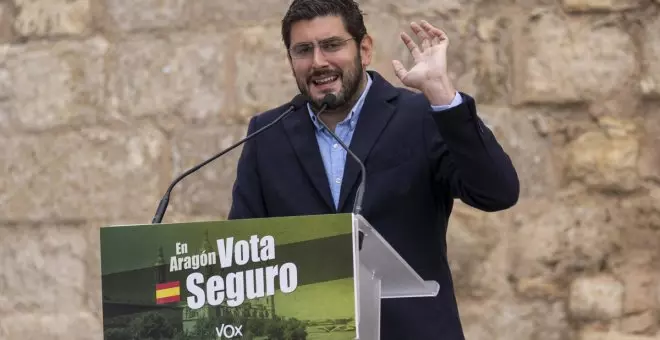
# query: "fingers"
[[423, 36], [412, 46], [429, 36], [437, 34], [399, 70]]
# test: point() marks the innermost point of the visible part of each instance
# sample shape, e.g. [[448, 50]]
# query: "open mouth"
[[325, 81]]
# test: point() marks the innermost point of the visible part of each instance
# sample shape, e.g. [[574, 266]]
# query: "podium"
[[281, 277], [382, 274]]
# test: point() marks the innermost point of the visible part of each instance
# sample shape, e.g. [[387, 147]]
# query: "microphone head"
[[329, 100]]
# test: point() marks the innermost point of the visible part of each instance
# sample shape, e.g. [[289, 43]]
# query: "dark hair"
[[348, 10]]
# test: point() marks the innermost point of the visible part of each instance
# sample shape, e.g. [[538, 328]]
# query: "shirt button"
[[335, 145], [338, 180]]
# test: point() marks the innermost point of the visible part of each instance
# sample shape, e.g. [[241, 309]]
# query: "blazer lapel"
[[375, 115], [300, 131]]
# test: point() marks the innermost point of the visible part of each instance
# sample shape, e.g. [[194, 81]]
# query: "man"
[[421, 151]]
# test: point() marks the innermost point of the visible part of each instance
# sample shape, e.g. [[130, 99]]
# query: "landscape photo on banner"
[[277, 278]]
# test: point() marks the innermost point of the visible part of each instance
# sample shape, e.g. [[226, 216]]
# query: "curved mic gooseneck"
[[327, 101], [297, 102]]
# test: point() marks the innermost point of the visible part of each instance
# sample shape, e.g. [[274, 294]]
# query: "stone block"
[[415, 7], [600, 5], [237, 14], [642, 323], [385, 30], [54, 84], [606, 159], [530, 152], [560, 59], [551, 240], [649, 155], [93, 173], [56, 326], [143, 15], [473, 240], [612, 335], [640, 289], [43, 268], [208, 191], [52, 18], [650, 80], [127, 16], [598, 297], [5, 92], [506, 317], [6, 23], [182, 75], [263, 73]]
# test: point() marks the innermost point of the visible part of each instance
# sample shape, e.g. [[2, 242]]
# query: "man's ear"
[[366, 50]]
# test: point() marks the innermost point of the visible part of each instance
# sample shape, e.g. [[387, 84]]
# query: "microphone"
[[297, 102], [327, 101]]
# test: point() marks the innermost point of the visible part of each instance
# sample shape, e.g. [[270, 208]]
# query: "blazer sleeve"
[[467, 159], [247, 199]]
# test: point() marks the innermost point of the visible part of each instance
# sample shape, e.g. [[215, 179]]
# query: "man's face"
[[325, 59]]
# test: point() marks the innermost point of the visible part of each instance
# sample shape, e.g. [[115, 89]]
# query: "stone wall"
[[103, 102]]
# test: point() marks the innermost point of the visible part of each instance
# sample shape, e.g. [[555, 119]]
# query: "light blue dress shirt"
[[333, 155]]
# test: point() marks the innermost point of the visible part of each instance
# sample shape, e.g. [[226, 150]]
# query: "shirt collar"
[[355, 111]]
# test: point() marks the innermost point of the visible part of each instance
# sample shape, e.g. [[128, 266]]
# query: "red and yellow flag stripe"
[[168, 292]]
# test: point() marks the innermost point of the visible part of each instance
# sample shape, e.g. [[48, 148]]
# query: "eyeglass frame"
[[322, 45]]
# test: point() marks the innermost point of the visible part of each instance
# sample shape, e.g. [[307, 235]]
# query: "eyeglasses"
[[328, 46]]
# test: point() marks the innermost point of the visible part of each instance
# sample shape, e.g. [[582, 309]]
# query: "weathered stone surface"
[[475, 235], [385, 30], [43, 268], [552, 239], [640, 287], [261, 83], [636, 258], [5, 91], [54, 85], [230, 15], [597, 297], [515, 131], [93, 173], [493, 64], [553, 69], [6, 23], [612, 335], [182, 75], [601, 5], [650, 80], [509, 318], [208, 192], [606, 160], [649, 154], [57, 326], [416, 7], [129, 15], [540, 288], [52, 17], [643, 323]]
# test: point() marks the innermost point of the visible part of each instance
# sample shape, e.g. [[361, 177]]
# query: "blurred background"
[[104, 102]]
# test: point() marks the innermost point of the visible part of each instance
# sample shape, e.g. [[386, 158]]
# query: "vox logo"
[[228, 331]]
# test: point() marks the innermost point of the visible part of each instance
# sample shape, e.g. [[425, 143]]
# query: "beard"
[[350, 84]]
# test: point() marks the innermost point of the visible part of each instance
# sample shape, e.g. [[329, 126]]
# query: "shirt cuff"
[[458, 100]]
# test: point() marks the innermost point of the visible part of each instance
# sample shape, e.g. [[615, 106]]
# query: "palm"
[[430, 60]]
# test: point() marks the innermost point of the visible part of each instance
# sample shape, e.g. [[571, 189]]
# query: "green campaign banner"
[[277, 278]]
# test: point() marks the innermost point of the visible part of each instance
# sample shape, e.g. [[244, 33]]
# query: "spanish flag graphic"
[[168, 292]]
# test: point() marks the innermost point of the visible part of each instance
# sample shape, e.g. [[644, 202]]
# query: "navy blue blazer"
[[418, 161]]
